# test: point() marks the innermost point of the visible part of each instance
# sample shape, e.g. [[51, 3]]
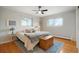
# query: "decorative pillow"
[[33, 30]]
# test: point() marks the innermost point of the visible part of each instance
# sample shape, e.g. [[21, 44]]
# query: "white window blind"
[[55, 22], [26, 22]]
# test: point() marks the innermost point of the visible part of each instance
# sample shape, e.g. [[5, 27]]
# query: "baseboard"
[[5, 38], [61, 38], [64, 38]]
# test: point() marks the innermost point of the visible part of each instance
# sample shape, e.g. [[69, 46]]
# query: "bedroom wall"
[[69, 24], [77, 28], [5, 15]]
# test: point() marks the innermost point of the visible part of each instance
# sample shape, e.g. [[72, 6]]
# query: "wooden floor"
[[69, 45], [11, 47]]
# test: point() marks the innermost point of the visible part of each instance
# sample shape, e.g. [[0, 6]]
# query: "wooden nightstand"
[[46, 42]]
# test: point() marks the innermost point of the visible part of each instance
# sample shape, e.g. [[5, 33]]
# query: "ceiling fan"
[[40, 11]]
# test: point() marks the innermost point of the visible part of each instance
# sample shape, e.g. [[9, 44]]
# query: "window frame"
[[26, 19], [54, 22]]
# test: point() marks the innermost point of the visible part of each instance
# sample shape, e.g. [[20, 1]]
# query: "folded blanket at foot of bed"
[[27, 42]]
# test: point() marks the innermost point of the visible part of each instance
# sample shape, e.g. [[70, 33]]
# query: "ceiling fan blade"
[[42, 12], [45, 10]]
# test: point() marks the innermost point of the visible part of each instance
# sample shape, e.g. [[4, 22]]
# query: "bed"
[[31, 39]]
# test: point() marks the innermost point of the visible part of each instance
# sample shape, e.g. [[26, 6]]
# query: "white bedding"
[[27, 43], [31, 41]]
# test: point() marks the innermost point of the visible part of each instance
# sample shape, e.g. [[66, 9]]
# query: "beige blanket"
[[27, 43]]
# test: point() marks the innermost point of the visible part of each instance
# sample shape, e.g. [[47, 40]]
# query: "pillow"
[[28, 30], [33, 30]]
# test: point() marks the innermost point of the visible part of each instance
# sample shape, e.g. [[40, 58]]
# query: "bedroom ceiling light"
[[40, 10]]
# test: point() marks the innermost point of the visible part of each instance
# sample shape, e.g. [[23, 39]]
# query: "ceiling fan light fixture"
[[39, 12]]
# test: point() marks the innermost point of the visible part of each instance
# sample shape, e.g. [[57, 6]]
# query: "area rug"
[[55, 48]]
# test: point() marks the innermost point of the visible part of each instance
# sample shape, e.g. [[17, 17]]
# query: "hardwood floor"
[[11, 47], [69, 45]]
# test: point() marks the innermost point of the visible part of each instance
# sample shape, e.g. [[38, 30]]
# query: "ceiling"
[[51, 9]]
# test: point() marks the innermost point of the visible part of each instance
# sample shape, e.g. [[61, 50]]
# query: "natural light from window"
[[55, 22], [26, 22]]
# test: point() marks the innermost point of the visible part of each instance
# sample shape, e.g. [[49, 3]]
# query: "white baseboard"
[[5, 38], [62, 37]]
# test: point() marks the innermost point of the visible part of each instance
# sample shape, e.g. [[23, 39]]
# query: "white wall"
[[6, 15], [69, 24], [68, 28], [77, 28]]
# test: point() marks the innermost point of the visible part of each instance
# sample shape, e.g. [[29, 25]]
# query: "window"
[[55, 22], [26, 22]]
